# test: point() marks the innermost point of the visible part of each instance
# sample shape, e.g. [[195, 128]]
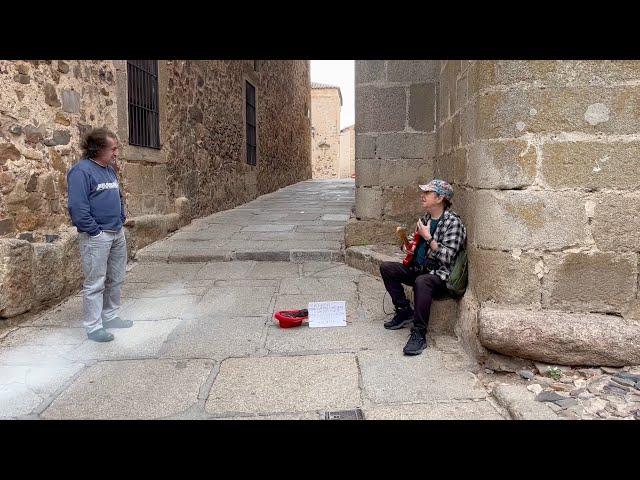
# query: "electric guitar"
[[409, 245]]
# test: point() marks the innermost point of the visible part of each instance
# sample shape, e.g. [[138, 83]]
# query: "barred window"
[[144, 117], [251, 123]]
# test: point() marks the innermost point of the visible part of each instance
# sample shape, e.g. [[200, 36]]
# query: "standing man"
[[97, 211], [442, 236]]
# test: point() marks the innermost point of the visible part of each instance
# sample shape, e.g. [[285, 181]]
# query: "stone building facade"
[[544, 158], [326, 101], [200, 167], [347, 161]]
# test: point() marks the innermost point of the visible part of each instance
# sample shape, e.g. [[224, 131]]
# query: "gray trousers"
[[104, 262]]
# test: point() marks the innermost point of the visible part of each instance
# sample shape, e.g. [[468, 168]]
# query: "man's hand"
[[424, 230]]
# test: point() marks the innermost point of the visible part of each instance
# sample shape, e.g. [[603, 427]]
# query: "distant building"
[[326, 101], [347, 152]]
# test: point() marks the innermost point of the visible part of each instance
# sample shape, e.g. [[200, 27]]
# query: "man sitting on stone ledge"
[[442, 236], [97, 211]]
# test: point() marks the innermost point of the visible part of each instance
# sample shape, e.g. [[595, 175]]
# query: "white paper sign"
[[327, 314]]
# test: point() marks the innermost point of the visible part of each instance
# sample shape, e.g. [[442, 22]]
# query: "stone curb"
[[294, 256]]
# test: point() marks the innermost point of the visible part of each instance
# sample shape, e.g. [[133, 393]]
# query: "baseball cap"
[[440, 187]]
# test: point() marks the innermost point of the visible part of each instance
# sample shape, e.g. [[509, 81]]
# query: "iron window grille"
[[144, 116], [251, 123]]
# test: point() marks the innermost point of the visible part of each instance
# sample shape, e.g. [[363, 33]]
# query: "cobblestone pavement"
[[204, 343], [570, 392]]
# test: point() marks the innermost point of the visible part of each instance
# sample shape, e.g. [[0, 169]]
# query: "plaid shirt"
[[451, 236]]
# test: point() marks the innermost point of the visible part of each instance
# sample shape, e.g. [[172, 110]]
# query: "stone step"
[[203, 256]]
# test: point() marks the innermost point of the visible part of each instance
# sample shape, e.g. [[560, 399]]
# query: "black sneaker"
[[100, 335], [117, 322], [416, 344], [403, 316]]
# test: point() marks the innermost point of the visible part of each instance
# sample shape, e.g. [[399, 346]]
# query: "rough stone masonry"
[[544, 158], [200, 167]]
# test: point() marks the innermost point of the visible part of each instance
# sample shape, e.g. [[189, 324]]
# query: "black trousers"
[[425, 288]]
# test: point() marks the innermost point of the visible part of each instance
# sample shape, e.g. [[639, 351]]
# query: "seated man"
[[442, 236]]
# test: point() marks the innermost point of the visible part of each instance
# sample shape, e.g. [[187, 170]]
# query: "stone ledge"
[[560, 337]]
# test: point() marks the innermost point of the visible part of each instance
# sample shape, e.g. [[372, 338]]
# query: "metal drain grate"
[[345, 415]]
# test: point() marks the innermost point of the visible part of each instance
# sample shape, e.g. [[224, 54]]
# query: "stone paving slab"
[[142, 389], [17, 400], [225, 270], [66, 314], [481, 410], [52, 355], [219, 232], [161, 290], [216, 338], [329, 269], [148, 273], [281, 384], [339, 286], [374, 301], [334, 217], [44, 336], [269, 228], [247, 237], [154, 309], [248, 284], [297, 217], [391, 377], [320, 229], [143, 340], [274, 270], [351, 338], [234, 301], [24, 388]]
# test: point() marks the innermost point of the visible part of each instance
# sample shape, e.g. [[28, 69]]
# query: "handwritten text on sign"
[[327, 314]]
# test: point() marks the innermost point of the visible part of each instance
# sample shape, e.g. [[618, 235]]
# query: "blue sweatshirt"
[[94, 201]]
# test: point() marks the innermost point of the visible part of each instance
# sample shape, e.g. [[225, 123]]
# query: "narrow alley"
[[204, 344]]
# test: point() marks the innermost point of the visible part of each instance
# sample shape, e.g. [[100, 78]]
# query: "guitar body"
[[409, 245]]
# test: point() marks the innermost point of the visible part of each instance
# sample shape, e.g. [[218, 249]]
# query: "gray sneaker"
[[100, 335], [117, 322]]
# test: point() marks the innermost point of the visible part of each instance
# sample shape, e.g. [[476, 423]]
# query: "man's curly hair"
[[95, 140]]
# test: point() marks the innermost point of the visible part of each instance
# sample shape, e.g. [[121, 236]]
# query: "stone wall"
[[543, 156], [205, 131], [325, 141], [200, 168], [395, 143], [45, 107]]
